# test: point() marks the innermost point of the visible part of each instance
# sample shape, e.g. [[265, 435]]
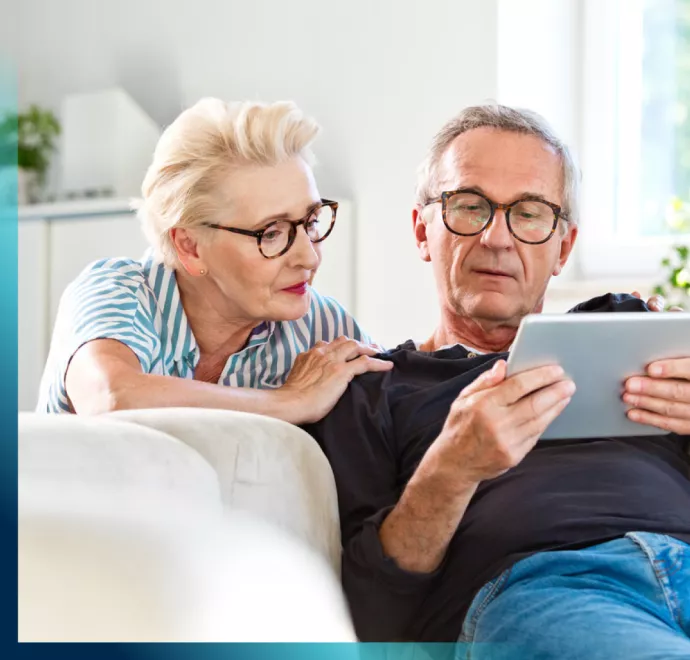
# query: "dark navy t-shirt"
[[564, 494]]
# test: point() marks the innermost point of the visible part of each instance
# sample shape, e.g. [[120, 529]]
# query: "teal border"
[[8, 342]]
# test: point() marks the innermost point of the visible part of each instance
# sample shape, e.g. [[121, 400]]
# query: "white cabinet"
[[32, 310], [77, 242], [56, 242]]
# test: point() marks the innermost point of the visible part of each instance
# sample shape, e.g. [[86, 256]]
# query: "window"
[[635, 134]]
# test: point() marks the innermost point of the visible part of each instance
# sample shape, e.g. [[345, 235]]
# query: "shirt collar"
[[260, 334]]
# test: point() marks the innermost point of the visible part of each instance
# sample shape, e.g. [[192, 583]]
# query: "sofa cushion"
[[85, 576]]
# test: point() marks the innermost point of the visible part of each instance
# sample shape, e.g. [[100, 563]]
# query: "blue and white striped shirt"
[[138, 303]]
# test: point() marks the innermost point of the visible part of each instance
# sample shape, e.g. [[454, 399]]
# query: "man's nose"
[[497, 235]]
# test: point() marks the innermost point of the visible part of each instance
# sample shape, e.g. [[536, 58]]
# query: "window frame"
[[609, 159]]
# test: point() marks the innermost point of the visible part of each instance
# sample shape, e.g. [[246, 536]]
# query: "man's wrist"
[[417, 531], [438, 473]]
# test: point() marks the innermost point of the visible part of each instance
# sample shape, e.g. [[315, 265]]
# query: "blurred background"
[[98, 80]]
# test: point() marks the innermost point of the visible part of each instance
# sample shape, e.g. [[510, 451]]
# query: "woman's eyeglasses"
[[276, 238]]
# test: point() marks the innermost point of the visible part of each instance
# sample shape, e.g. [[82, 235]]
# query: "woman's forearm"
[[153, 391], [105, 375]]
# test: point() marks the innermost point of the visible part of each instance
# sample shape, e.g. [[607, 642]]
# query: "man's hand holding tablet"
[[661, 397], [614, 359]]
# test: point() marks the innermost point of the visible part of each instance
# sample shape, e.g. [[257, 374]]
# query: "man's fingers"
[[665, 407], [675, 308], [656, 303], [488, 379], [636, 294], [536, 404], [660, 388], [534, 428], [518, 386], [676, 368], [670, 424]]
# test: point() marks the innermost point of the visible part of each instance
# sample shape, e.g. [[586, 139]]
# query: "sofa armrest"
[[265, 466], [122, 466]]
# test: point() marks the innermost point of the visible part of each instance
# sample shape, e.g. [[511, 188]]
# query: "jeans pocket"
[[484, 597]]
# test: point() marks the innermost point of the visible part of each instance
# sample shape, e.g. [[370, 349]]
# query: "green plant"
[[32, 134], [676, 287]]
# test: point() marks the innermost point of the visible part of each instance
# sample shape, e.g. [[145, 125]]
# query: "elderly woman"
[[220, 312]]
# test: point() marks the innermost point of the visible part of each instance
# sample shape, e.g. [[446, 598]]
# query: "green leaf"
[[659, 291], [32, 135], [683, 251]]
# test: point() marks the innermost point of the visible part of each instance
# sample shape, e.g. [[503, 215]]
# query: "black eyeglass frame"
[[495, 206], [294, 224]]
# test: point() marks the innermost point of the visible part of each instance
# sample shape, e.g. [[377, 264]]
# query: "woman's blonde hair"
[[205, 142]]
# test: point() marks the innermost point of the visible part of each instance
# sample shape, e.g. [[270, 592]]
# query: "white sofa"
[[176, 525]]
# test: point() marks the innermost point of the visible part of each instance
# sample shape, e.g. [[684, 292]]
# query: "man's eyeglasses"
[[466, 212], [276, 238]]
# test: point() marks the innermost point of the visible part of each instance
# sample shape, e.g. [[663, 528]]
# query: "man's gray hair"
[[503, 118]]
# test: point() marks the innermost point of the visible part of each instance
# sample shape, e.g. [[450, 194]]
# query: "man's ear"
[[567, 245], [187, 249], [419, 226]]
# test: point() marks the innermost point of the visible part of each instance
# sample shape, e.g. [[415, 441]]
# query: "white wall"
[[380, 76]]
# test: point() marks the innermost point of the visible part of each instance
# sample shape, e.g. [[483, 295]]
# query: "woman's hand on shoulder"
[[321, 375]]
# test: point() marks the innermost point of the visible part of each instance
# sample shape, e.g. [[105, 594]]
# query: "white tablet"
[[599, 351]]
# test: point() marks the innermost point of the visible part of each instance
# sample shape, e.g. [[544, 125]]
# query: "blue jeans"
[[627, 599]]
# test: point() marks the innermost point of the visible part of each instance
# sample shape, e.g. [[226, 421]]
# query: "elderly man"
[[457, 523]]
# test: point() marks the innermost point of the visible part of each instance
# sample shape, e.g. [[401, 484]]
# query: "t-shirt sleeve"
[[330, 320], [109, 300], [359, 442]]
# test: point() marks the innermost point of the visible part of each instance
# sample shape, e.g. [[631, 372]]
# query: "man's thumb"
[[488, 379]]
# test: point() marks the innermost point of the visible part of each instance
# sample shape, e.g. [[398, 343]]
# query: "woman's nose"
[[304, 253]]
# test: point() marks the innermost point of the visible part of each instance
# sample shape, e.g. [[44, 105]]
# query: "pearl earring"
[[202, 272]]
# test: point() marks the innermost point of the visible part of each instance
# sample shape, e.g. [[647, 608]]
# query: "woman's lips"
[[299, 289]]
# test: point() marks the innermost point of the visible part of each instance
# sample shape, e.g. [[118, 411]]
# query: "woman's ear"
[[187, 248]]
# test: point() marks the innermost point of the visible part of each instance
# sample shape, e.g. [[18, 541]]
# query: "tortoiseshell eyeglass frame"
[[294, 224], [495, 206]]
